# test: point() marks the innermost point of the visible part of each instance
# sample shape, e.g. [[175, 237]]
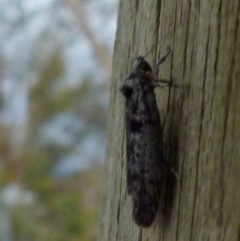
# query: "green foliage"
[[37, 170], [47, 100], [64, 209], [41, 95], [4, 148]]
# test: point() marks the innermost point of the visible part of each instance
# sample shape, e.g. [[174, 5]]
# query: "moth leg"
[[160, 62], [166, 83]]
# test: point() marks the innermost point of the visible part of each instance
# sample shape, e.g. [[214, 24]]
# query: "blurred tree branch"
[[102, 53]]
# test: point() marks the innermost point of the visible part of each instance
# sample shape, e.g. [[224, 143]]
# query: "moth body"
[[146, 164]]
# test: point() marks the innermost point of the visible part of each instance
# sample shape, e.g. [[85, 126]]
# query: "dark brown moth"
[[146, 163]]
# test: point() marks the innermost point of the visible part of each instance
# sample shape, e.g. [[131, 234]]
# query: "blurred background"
[[55, 63]]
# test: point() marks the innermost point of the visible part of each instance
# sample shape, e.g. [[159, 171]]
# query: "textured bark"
[[202, 123]]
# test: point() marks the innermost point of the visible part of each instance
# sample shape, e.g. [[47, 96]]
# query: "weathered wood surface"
[[202, 124]]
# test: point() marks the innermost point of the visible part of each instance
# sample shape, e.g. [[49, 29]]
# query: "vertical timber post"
[[202, 124]]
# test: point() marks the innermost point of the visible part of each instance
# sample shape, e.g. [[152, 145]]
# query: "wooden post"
[[202, 123]]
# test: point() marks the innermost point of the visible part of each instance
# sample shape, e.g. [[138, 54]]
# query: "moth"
[[146, 163]]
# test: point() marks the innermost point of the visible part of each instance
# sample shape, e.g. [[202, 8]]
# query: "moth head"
[[140, 65]]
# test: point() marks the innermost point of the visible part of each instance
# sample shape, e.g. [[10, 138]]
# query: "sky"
[[29, 28]]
